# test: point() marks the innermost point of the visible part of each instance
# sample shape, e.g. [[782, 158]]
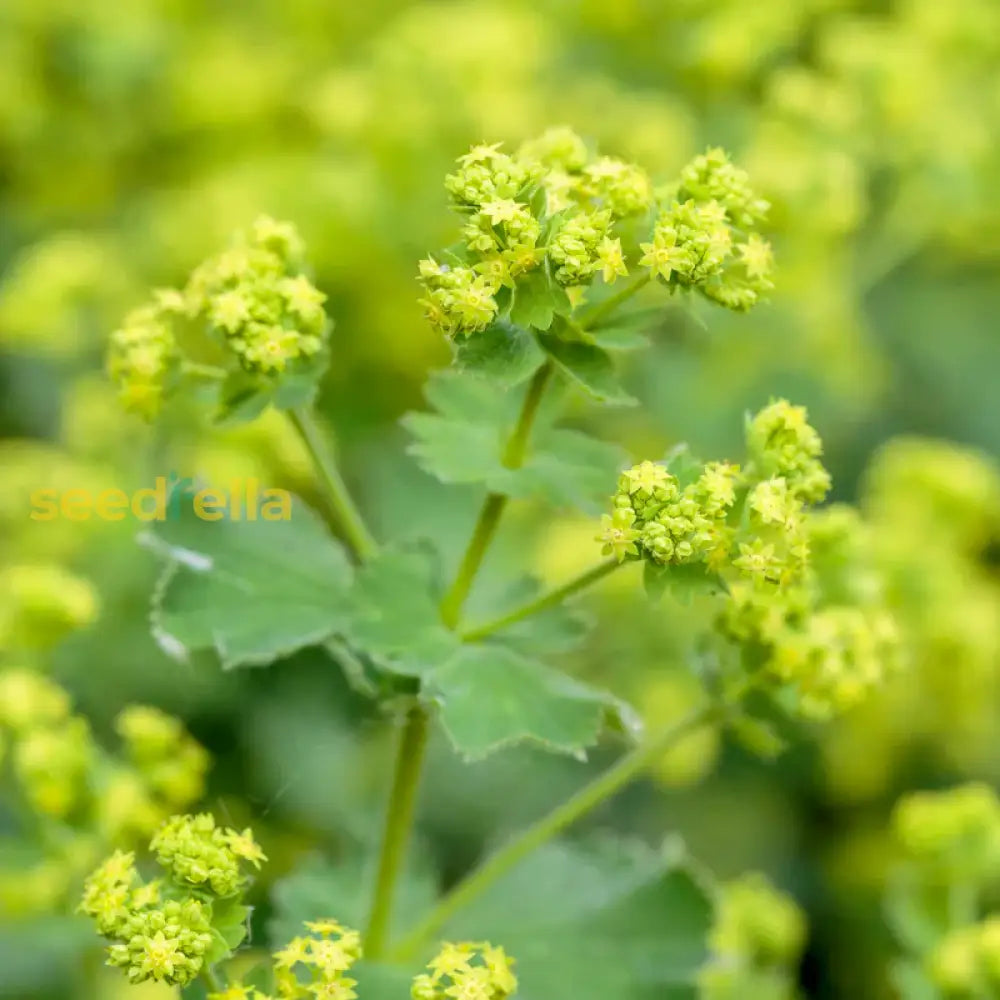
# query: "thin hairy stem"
[[339, 498], [399, 822], [494, 504], [548, 600], [588, 798]]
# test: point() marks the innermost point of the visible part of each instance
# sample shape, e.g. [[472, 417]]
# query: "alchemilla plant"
[[564, 261]]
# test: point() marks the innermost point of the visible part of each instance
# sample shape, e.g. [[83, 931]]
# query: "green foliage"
[[598, 919], [463, 442], [291, 575], [492, 697]]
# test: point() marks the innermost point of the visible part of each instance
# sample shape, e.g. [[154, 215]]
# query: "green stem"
[[588, 798], [212, 981], [545, 601], [604, 309], [399, 821], [494, 504], [348, 517], [203, 371]]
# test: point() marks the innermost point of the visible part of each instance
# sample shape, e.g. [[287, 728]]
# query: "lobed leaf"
[[251, 590], [492, 697], [505, 353], [463, 443]]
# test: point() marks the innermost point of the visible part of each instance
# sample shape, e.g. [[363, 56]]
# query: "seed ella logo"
[[165, 500]]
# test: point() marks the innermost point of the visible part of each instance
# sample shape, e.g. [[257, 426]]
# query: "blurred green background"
[[136, 135]]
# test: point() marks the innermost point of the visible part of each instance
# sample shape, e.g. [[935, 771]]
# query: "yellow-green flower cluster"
[[756, 942], [459, 300], [783, 445], [828, 635], [40, 603], [201, 855], [654, 517], [467, 971], [165, 757], [553, 205], [163, 929], [143, 356], [153, 937], [952, 835], [804, 602], [706, 238], [581, 244], [965, 963], [70, 784], [751, 520], [257, 302], [316, 965], [250, 308]]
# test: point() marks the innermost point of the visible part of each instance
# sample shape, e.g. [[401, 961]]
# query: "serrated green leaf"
[[491, 697], [393, 614], [684, 581], [593, 921], [463, 443], [506, 353], [588, 366], [537, 300], [251, 590]]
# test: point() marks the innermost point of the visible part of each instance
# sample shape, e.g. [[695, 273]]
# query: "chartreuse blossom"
[[163, 929], [802, 603], [97, 800], [250, 308], [467, 971], [169, 929], [945, 884], [40, 603], [705, 235], [555, 208], [755, 943]]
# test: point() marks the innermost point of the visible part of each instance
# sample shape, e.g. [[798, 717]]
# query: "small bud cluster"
[[467, 969], [705, 239], [257, 309], [782, 444], [828, 636], [654, 517], [152, 937], [552, 205], [953, 835], [803, 601], [167, 760], [756, 943], [40, 603], [143, 357], [945, 882], [750, 519], [316, 965], [965, 963], [63, 775], [255, 299], [162, 929], [199, 854]]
